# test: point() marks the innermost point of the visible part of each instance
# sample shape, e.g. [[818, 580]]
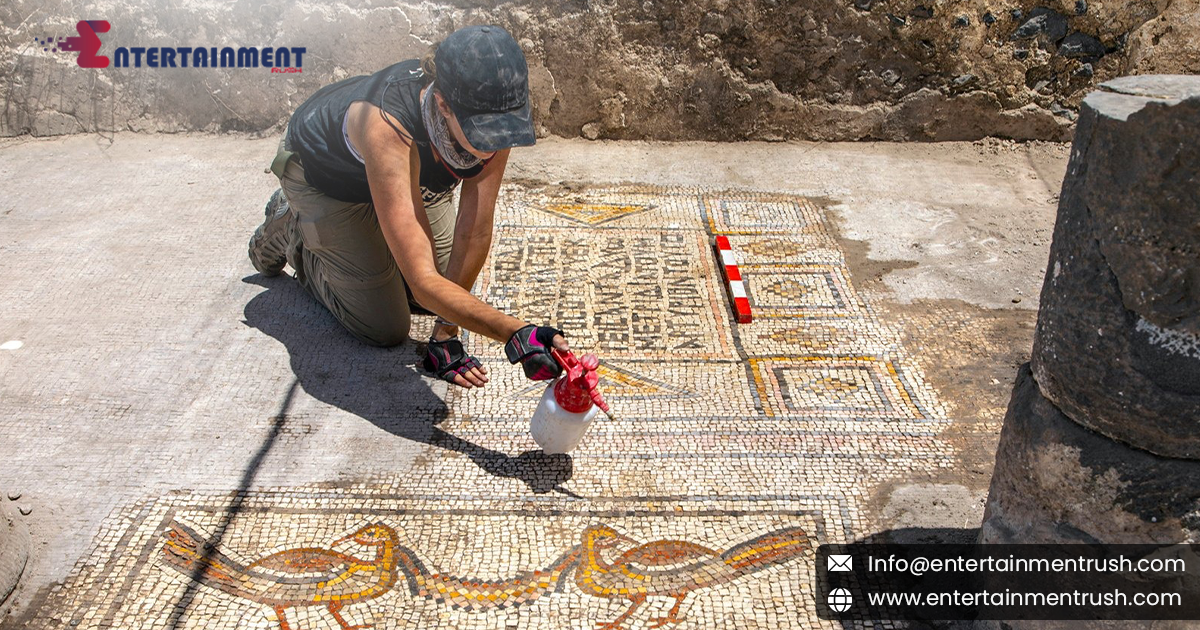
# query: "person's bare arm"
[[473, 228], [393, 168]]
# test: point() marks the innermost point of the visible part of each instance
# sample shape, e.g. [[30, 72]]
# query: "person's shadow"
[[381, 385]]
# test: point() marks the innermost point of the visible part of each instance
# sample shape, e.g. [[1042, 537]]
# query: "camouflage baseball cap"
[[482, 74]]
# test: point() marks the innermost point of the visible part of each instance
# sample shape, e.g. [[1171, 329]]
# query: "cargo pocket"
[[282, 155]]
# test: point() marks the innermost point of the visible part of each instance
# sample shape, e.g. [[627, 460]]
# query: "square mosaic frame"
[[735, 212], [811, 291], [815, 248], [816, 386]]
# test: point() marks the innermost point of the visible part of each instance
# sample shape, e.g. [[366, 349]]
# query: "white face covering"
[[439, 135]]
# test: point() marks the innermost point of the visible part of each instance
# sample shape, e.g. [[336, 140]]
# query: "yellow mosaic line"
[[902, 390]]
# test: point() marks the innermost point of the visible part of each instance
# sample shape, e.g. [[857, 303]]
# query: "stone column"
[[14, 548], [1102, 437]]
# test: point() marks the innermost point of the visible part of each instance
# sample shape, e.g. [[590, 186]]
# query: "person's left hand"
[[450, 362], [531, 346]]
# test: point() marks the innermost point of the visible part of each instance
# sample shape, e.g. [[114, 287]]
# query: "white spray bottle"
[[569, 404]]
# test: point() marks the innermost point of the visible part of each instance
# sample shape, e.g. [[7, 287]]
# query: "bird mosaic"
[[672, 568], [303, 576], [605, 563]]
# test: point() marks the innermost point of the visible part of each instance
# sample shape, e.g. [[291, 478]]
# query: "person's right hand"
[[531, 346]]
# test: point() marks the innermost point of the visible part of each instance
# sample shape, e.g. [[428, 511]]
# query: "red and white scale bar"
[[733, 277]]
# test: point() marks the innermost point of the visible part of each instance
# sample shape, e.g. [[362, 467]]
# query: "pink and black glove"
[[447, 359], [531, 346]]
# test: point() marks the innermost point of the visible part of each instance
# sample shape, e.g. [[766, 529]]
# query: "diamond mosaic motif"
[[815, 248], [847, 389], [592, 213], [773, 248]]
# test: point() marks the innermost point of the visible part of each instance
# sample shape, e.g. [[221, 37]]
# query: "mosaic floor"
[[739, 448]]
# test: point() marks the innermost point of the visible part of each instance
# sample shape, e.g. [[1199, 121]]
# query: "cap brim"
[[493, 131]]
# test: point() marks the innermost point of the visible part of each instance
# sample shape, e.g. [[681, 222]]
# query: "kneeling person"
[[367, 169]]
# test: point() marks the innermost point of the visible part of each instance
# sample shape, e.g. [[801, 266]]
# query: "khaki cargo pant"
[[340, 256]]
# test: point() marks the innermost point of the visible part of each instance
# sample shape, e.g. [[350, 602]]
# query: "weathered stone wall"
[[626, 69], [1102, 437]]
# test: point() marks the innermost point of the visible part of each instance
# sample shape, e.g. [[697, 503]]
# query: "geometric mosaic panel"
[[847, 388], [772, 249], [853, 387], [800, 291], [757, 213]]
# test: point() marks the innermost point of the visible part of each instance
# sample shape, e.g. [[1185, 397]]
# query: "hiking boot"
[[268, 246]]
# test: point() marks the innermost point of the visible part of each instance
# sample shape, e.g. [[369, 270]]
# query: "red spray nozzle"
[[580, 380]]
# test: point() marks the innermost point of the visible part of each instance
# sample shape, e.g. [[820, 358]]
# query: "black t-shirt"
[[315, 133]]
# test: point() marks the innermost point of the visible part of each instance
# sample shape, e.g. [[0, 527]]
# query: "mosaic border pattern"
[[889, 390], [140, 554], [811, 291]]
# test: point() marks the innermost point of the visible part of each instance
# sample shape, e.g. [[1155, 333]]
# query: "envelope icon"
[[839, 562]]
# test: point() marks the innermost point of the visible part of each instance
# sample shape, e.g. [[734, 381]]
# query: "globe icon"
[[839, 600]]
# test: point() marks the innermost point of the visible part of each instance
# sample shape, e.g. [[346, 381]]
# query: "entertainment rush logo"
[[281, 59], [278, 59], [87, 44]]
